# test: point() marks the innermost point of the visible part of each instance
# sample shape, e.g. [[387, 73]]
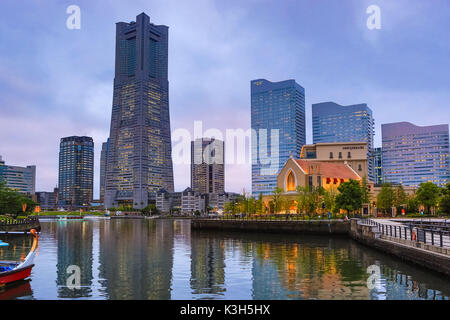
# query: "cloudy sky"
[[56, 82]]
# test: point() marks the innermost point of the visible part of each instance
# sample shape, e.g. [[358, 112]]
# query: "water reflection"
[[164, 259]]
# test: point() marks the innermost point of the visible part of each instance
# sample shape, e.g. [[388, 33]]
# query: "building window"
[[349, 155], [359, 167], [290, 183], [319, 181], [340, 155], [331, 155]]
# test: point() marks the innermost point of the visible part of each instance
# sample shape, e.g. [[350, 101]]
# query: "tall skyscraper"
[[76, 171], [335, 123], [140, 153], [21, 179], [279, 130], [103, 163], [378, 165], [207, 166], [413, 154]]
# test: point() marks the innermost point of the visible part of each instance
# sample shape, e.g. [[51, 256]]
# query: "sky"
[[57, 82]]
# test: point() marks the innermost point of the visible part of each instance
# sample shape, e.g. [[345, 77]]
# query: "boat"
[[65, 218], [13, 271], [3, 244]]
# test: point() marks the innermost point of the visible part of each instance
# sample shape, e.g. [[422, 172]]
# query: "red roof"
[[328, 169]]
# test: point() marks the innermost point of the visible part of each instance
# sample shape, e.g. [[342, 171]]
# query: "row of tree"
[[13, 202], [427, 195], [349, 196]]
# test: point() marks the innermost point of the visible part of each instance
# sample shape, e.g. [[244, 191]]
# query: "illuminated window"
[[290, 185]]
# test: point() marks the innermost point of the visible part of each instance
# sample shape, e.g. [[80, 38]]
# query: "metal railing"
[[269, 217], [434, 236], [17, 222]]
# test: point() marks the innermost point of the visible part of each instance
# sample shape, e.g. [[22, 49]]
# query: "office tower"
[[278, 129], [47, 200], [207, 166], [21, 179], [335, 123], [378, 165], [76, 171], [103, 163], [413, 154], [140, 156]]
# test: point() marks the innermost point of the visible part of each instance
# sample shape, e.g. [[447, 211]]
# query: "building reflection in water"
[[136, 259], [74, 239], [207, 266], [164, 259]]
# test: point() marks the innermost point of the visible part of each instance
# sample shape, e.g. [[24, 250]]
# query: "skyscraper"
[[140, 155], [103, 163], [378, 165], [278, 128], [21, 179], [335, 123], [207, 166], [414, 154], [76, 171]]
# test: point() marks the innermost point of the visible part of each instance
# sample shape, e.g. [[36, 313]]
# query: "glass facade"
[[76, 171], [21, 179], [278, 126], [414, 154], [378, 165], [335, 123], [139, 160], [103, 162]]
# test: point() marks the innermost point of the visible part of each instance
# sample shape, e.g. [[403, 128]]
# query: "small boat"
[[12, 271], [3, 244]]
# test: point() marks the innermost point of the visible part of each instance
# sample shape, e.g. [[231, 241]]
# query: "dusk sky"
[[56, 82]]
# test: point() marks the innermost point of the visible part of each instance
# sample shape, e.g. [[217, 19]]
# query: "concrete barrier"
[[335, 227], [432, 260]]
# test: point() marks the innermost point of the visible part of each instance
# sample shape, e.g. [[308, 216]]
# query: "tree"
[[329, 199], [412, 204], [350, 196], [260, 204], [400, 196], [386, 197], [277, 199], [150, 210], [13, 202], [428, 195], [365, 191], [444, 204], [302, 199]]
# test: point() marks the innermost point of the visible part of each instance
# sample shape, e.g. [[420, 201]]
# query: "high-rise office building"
[[414, 154], [335, 123], [207, 166], [21, 179], [103, 163], [76, 171], [140, 156], [279, 130], [378, 166]]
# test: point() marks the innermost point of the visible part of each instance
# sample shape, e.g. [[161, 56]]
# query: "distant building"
[[47, 200], [188, 202], [414, 154], [352, 153], [378, 165], [207, 166], [275, 106], [140, 152], [76, 171], [335, 123], [21, 179], [103, 165]]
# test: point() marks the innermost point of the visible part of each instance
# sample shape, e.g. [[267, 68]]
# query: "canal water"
[[164, 259]]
